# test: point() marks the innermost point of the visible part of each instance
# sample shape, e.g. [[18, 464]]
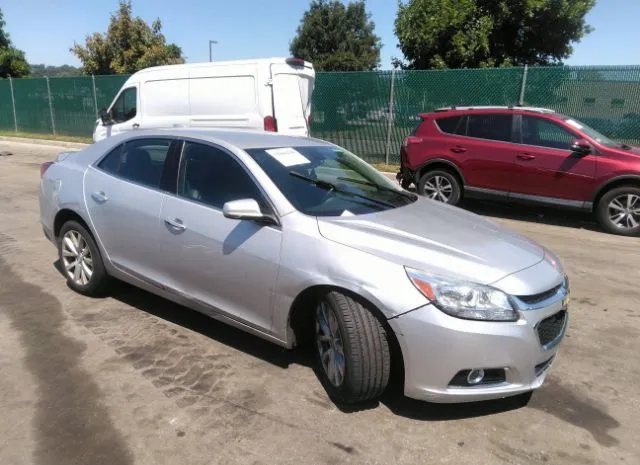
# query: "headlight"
[[464, 299]]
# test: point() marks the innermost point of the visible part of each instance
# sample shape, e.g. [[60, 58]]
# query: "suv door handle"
[[99, 197], [175, 223], [458, 149], [525, 157], [135, 125]]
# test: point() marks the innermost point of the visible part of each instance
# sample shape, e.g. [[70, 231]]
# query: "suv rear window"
[[451, 125]]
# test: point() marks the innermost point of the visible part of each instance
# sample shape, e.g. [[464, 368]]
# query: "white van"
[[272, 94]]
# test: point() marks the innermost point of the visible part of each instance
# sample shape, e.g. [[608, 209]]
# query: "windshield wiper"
[[332, 187], [379, 187]]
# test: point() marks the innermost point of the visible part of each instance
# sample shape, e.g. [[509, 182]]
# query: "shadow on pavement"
[[283, 358], [533, 214]]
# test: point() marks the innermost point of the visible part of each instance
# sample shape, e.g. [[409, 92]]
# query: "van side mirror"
[[104, 116], [581, 147]]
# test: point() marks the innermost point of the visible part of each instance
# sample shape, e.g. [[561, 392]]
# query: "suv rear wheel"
[[440, 185], [618, 211]]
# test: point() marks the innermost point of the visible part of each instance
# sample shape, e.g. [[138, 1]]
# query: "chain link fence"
[[369, 113]]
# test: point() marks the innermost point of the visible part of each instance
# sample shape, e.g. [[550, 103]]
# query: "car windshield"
[[329, 181], [600, 138]]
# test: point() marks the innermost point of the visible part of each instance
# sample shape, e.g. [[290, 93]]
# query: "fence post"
[[95, 95], [53, 122], [524, 85], [13, 105], [390, 118]]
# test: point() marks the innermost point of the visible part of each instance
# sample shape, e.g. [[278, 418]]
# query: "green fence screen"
[[369, 113]]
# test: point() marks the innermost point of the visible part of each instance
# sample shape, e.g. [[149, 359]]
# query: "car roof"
[[241, 138]]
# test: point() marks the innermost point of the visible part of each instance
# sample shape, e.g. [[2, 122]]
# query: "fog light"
[[475, 376]]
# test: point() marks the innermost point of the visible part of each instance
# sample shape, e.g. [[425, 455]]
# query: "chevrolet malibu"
[[298, 241]]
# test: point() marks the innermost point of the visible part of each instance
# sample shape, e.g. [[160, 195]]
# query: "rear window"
[[451, 125]]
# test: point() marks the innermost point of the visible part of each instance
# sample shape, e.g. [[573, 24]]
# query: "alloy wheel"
[[329, 342], [76, 258], [438, 188], [624, 211]]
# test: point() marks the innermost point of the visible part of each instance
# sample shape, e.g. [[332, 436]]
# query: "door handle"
[[525, 157], [175, 223], [458, 149], [99, 197], [135, 125]]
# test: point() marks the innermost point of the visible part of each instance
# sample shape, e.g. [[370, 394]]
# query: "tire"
[[406, 183], [366, 353], [615, 201], [430, 180], [95, 284]]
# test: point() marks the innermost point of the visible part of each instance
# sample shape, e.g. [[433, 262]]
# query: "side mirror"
[[245, 209], [581, 146], [103, 114]]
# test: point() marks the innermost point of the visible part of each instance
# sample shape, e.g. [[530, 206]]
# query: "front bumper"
[[436, 347]]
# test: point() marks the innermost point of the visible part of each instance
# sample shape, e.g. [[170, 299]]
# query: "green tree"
[[129, 45], [12, 61], [488, 33], [335, 37], [41, 70]]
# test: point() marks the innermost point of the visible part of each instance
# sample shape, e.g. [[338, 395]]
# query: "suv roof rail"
[[496, 107]]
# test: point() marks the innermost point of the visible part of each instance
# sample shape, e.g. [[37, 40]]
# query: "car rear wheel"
[[618, 211], [80, 260], [351, 349], [441, 186]]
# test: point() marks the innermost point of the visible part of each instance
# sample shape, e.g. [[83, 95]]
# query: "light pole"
[[211, 42]]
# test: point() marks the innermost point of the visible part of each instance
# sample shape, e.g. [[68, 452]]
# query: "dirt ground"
[[134, 379]]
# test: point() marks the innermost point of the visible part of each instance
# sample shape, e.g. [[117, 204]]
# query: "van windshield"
[[329, 181]]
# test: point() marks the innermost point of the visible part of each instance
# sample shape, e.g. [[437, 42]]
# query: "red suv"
[[523, 154]]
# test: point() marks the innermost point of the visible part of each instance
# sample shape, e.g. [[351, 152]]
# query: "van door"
[[124, 112], [292, 90]]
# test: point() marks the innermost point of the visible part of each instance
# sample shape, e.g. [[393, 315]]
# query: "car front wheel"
[[351, 349], [80, 260], [618, 211]]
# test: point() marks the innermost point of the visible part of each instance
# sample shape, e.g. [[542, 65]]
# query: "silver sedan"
[[298, 241]]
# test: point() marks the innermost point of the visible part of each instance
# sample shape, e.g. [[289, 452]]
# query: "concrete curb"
[[52, 143]]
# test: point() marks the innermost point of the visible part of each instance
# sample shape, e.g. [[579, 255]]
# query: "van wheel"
[[352, 352], [441, 186], [618, 211]]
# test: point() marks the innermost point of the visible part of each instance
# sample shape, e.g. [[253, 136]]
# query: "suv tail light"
[[411, 140], [270, 124], [44, 167]]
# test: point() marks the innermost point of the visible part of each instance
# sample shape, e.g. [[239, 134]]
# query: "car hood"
[[437, 238]]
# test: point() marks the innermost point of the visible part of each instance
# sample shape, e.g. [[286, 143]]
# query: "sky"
[[46, 29]]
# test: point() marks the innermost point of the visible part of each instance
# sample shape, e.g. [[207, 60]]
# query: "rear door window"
[[141, 161], [491, 126]]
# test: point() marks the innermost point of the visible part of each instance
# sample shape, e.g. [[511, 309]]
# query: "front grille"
[[550, 328], [537, 298]]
